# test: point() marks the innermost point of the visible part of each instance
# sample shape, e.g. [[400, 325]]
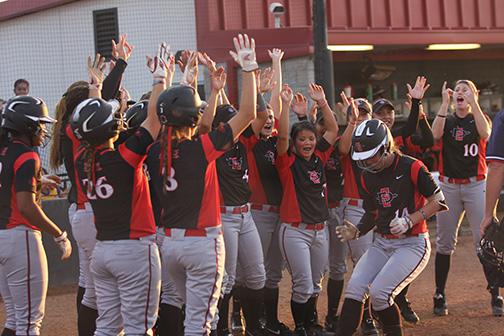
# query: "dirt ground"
[[468, 302]]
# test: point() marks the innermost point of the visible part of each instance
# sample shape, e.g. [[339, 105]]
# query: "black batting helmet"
[[24, 114], [179, 106], [223, 113], [136, 115], [95, 121], [368, 139]]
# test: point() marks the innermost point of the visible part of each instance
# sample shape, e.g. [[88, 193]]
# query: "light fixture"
[[454, 46], [352, 47]]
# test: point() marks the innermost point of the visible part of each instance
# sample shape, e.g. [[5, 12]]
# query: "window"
[[106, 29]]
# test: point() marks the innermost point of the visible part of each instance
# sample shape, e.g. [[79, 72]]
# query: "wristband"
[[422, 212], [441, 116]]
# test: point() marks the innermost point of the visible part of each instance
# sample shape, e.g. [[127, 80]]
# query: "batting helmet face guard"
[[24, 115], [179, 106], [491, 253], [94, 121], [136, 115], [372, 137]]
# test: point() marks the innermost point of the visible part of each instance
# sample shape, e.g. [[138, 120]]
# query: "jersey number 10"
[[471, 149]]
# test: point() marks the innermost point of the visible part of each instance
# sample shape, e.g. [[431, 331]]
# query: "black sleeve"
[[138, 142], [368, 221], [425, 139], [248, 132], [425, 183], [112, 83], [323, 145], [25, 177], [222, 136], [412, 123], [261, 103]]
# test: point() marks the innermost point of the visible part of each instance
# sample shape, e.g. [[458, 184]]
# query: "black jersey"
[[232, 170], [304, 183], [190, 199], [462, 149], [263, 175], [397, 191], [19, 171], [334, 174], [120, 195]]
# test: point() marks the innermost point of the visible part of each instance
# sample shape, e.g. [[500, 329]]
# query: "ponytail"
[[75, 94]]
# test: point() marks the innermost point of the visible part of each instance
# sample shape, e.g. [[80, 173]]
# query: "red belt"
[[316, 227], [265, 207], [461, 180], [392, 236], [234, 210], [334, 204], [353, 202], [189, 232], [81, 206]]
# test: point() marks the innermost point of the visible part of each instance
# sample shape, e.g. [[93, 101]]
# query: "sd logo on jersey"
[[314, 176], [385, 197], [458, 133]]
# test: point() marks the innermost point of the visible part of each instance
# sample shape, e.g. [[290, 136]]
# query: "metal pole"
[[323, 57]]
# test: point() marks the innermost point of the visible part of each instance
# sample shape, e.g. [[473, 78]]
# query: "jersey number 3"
[[101, 190], [471, 150]]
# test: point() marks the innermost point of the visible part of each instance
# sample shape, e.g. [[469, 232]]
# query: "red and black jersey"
[[397, 191], [263, 175], [407, 147], [351, 177], [19, 171], [120, 196], [232, 170], [304, 185], [190, 199], [462, 149], [69, 147], [334, 175]]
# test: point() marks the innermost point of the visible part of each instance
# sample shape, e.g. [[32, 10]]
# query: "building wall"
[[50, 48]]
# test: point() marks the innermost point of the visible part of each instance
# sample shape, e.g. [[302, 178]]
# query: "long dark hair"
[[75, 94]]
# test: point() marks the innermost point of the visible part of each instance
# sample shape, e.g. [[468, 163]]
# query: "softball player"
[[408, 142], [125, 263], [193, 248], [399, 195], [24, 263], [462, 174], [266, 197], [242, 242], [303, 210], [80, 214]]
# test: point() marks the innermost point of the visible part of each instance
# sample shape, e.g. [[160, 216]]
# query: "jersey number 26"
[[101, 189]]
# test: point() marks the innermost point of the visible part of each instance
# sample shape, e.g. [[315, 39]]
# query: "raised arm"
[[121, 52], [482, 124], [317, 94], [158, 66], [245, 56], [275, 100], [416, 93], [345, 142], [190, 77], [439, 121], [218, 81], [264, 81], [283, 124]]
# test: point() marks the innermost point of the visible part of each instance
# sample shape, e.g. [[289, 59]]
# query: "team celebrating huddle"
[[179, 205]]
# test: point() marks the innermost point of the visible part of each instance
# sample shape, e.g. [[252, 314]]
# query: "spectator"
[[21, 87]]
